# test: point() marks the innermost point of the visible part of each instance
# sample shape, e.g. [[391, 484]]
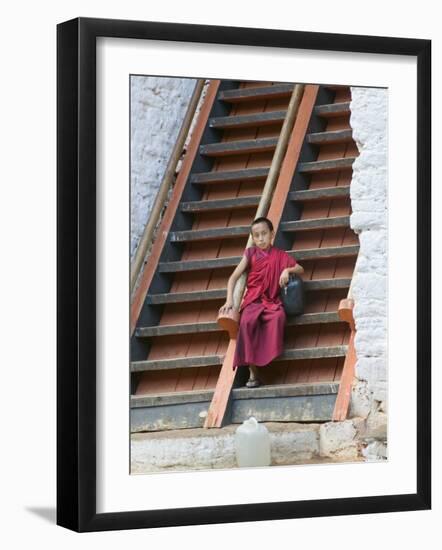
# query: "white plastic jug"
[[252, 444]]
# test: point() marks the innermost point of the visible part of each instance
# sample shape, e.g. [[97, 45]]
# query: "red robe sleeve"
[[248, 253], [291, 262]]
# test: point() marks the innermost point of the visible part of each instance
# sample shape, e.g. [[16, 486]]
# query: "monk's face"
[[261, 235]]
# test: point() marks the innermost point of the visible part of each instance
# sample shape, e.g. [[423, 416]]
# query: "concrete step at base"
[[208, 449]]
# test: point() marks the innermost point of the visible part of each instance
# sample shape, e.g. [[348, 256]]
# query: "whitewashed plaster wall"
[[158, 107], [368, 192]]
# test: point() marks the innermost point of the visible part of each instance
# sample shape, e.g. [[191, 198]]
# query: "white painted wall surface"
[[158, 107], [368, 191]]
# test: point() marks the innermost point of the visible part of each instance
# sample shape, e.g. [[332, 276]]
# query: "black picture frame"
[[76, 273]]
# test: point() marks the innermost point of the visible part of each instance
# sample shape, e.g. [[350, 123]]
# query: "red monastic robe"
[[261, 328]]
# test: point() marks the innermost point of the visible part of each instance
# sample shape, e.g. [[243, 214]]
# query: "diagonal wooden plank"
[[221, 395], [346, 382], [342, 404]]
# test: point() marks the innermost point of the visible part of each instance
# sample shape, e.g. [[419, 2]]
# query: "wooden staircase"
[[178, 351]]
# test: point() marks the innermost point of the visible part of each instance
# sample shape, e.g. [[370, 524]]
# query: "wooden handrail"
[[345, 312], [154, 216], [274, 210], [344, 393]]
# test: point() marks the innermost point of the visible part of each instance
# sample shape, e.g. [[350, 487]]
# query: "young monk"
[[261, 328]]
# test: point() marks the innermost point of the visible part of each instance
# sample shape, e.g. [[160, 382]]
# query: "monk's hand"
[[226, 308], [284, 278]]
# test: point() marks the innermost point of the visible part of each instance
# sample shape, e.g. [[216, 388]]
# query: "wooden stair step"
[[198, 265], [220, 294], [169, 330], [177, 363], [252, 94], [209, 234], [325, 252], [195, 328], [212, 326], [313, 319], [286, 390], [220, 204], [313, 353], [332, 110], [320, 166], [239, 147], [320, 194], [296, 402], [326, 138], [233, 261], [327, 284], [179, 297], [211, 360], [317, 223], [228, 176], [169, 411], [247, 121], [285, 403], [170, 398]]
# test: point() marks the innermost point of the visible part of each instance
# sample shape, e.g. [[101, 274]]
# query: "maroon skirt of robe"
[[260, 336]]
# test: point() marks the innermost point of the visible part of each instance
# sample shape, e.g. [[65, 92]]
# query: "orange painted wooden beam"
[[345, 312], [344, 393], [223, 388], [292, 154], [226, 377], [157, 248]]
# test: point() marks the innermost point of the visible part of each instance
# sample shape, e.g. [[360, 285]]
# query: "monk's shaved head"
[[263, 220]]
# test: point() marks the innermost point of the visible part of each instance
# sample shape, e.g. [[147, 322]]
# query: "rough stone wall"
[[368, 191], [199, 448], [158, 107]]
